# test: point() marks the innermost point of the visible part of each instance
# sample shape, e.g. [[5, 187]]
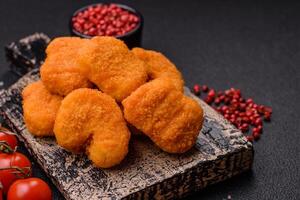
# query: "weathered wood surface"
[[27, 53], [147, 172]]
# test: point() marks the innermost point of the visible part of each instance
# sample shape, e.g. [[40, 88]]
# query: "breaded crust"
[[60, 72], [92, 121], [163, 113], [39, 109], [159, 66], [109, 64]]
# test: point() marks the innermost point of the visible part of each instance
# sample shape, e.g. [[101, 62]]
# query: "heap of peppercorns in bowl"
[[108, 19], [243, 113]]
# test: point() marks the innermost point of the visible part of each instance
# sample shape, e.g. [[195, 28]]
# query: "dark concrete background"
[[251, 45]]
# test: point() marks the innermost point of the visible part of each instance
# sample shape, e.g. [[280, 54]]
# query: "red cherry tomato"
[[8, 141], [12, 167], [1, 193], [29, 189]]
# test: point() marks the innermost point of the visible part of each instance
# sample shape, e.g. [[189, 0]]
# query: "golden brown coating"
[[109, 64], [91, 120], [160, 66], [39, 109], [60, 73], [163, 113]]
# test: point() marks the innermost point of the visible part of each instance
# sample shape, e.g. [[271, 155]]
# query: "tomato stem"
[[25, 171], [4, 130], [5, 148]]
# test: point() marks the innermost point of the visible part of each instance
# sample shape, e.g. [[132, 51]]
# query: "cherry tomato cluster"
[[15, 173], [105, 19], [243, 113]]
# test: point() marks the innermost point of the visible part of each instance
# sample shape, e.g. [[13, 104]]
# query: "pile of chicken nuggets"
[[92, 89]]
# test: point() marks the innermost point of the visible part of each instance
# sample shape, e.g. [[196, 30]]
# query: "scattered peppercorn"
[[197, 89], [105, 20], [245, 114], [211, 93], [204, 88], [250, 138]]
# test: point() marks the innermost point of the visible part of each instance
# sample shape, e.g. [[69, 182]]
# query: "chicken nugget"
[[60, 72], [170, 119], [109, 64], [39, 108], [159, 66], [92, 121]]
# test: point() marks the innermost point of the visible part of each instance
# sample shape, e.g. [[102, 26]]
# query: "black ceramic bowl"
[[132, 38]]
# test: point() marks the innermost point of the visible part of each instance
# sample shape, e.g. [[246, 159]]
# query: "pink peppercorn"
[[250, 138], [197, 89], [267, 116], [211, 93], [217, 101], [244, 114], [204, 88], [105, 19], [256, 135], [209, 99]]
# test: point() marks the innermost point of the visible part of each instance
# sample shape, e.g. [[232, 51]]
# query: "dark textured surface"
[[252, 46]]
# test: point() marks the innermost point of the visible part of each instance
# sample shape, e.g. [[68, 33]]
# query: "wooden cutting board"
[[147, 172]]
